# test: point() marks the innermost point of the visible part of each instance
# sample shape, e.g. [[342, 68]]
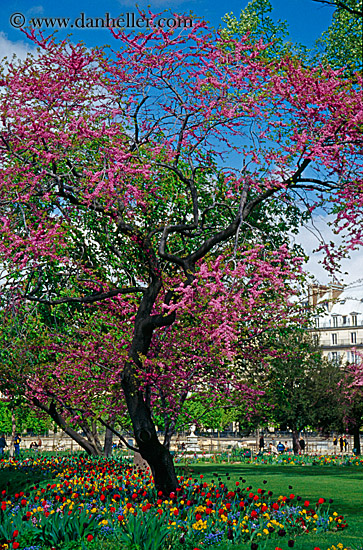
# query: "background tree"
[[301, 388], [351, 399], [25, 418], [342, 44]]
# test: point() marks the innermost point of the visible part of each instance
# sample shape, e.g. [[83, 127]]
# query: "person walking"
[[3, 444], [17, 442], [302, 445], [273, 449], [335, 443], [261, 443], [341, 443]]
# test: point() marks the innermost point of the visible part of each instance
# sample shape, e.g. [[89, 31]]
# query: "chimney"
[[315, 293]]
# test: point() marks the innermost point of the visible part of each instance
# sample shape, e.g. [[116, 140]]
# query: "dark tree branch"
[[90, 298], [341, 5], [121, 437]]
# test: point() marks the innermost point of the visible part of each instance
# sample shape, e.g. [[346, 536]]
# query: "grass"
[[343, 484]]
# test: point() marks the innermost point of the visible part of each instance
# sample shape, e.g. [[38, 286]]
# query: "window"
[[354, 320], [334, 357], [334, 339], [344, 319], [335, 321], [353, 337], [317, 322], [315, 339]]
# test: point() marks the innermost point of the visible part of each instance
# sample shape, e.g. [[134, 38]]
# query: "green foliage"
[[63, 528], [206, 413], [144, 531], [58, 528], [255, 19], [25, 418], [298, 382], [341, 45]]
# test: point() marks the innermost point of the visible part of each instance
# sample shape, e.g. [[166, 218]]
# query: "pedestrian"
[[345, 443], [335, 443], [273, 449], [3, 444], [302, 444], [280, 447], [261, 443], [341, 443], [17, 442]]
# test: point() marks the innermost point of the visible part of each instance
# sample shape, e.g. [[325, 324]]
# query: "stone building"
[[338, 320]]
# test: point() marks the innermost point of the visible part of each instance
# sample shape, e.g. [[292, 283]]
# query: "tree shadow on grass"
[[354, 472], [14, 480]]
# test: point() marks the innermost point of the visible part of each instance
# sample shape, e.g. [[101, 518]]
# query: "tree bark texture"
[[89, 445], [295, 442], [356, 440], [156, 455], [107, 449]]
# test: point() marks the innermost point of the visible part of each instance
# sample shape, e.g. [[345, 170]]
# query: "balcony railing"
[[329, 324], [341, 342]]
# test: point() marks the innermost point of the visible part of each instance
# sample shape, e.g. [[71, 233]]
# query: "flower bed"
[[91, 499]]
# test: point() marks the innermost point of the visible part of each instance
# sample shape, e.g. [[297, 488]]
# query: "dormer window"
[[335, 321], [354, 320], [344, 319]]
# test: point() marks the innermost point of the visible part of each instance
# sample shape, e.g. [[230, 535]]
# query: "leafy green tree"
[[298, 383], [341, 44], [25, 418], [256, 20]]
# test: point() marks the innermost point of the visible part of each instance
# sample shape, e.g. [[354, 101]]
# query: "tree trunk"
[[13, 431], [356, 439], [295, 442], [89, 445], [151, 450], [107, 449]]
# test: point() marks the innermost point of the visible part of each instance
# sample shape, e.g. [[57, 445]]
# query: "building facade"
[[338, 321]]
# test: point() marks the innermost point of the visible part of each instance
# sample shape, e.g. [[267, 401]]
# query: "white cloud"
[[312, 236], [35, 10], [9, 48]]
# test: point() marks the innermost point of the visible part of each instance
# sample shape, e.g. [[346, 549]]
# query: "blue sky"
[[306, 19]]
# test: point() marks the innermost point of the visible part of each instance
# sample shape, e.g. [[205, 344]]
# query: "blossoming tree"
[[117, 178], [68, 362]]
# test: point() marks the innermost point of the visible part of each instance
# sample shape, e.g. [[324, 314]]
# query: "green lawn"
[[343, 484]]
